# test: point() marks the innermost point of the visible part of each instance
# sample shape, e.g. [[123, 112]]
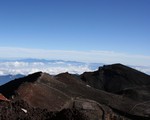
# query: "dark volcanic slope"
[[6, 78], [9, 88], [66, 91], [115, 78]]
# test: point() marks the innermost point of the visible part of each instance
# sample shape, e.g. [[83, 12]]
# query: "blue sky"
[[118, 26]]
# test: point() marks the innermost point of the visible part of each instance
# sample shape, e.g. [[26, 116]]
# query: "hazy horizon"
[[92, 31], [53, 67]]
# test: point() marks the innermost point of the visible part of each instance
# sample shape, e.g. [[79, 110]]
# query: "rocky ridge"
[[113, 92]]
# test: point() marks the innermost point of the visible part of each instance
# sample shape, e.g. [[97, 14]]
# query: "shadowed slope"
[[63, 91], [116, 77], [9, 88]]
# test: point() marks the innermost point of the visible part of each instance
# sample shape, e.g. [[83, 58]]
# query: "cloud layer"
[[108, 57], [28, 66], [25, 67], [17, 67]]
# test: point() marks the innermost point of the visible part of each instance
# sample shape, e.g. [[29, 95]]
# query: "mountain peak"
[[115, 77], [14, 84], [103, 92]]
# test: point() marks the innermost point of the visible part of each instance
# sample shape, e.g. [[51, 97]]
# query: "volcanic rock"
[[115, 78], [114, 92]]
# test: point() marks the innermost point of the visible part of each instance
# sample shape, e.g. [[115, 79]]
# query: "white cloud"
[[55, 67], [31, 67], [145, 69], [107, 57]]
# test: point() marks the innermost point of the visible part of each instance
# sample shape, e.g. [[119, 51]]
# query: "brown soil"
[[114, 92], [13, 111]]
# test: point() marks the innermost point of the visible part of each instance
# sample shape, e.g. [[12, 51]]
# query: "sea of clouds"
[[52, 67]]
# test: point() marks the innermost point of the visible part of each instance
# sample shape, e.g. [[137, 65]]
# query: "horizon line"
[[98, 56]]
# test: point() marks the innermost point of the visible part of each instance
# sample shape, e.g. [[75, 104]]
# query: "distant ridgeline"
[[113, 92], [53, 67], [6, 78]]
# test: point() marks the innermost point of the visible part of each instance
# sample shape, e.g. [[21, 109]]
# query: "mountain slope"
[[110, 100], [116, 77], [6, 78]]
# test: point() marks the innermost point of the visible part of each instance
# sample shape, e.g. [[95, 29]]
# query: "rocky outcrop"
[[114, 92], [115, 78]]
